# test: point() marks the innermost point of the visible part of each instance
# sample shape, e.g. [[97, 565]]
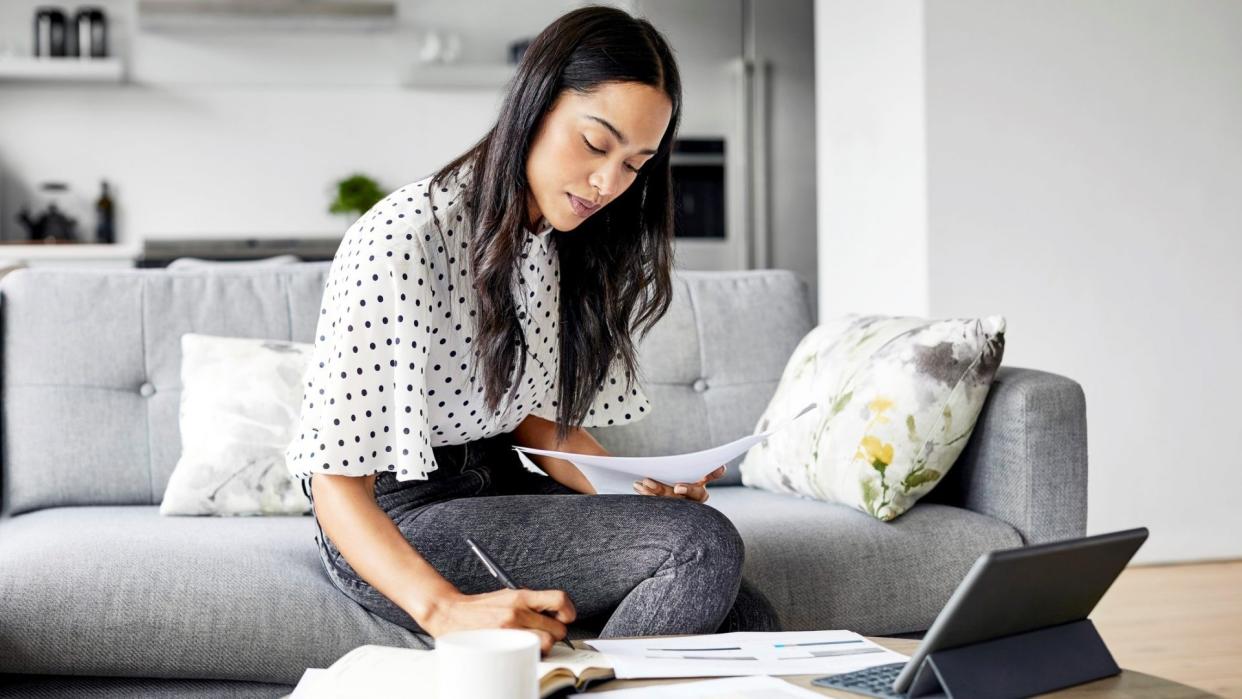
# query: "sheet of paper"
[[312, 685], [761, 687], [616, 474], [744, 653], [374, 670]]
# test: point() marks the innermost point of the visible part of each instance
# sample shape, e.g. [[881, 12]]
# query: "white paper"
[[744, 653], [312, 685], [373, 670], [761, 687], [616, 474]]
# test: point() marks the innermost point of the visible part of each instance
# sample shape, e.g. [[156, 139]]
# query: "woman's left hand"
[[696, 491]]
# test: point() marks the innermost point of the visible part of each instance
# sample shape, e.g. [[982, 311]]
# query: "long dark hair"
[[616, 267]]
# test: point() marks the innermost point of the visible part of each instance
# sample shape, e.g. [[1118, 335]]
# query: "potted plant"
[[355, 195]]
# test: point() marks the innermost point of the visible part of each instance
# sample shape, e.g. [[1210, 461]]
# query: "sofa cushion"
[[829, 566], [898, 399], [120, 590], [81, 687], [239, 403]]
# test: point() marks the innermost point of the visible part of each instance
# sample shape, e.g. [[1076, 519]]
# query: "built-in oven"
[[698, 171], [708, 204]]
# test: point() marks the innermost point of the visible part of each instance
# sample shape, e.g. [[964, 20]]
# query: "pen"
[[499, 573]]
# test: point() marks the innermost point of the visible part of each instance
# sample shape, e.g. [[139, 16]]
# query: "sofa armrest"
[[1026, 460]]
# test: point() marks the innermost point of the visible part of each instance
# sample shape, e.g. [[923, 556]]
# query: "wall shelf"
[[266, 15], [61, 69]]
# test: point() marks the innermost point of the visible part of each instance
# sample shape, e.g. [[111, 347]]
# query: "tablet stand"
[[1021, 665]]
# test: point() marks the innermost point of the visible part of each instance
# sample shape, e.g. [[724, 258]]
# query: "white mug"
[[487, 664]]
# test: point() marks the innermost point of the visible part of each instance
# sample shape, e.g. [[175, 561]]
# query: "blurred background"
[[224, 127], [1074, 165]]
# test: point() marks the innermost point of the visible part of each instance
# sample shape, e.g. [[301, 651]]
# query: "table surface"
[[1127, 684]]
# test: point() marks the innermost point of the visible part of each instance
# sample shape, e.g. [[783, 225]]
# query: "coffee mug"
[[487, 664]]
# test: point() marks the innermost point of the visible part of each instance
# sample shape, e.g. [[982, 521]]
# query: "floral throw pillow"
[[240, 399], [898, 400]]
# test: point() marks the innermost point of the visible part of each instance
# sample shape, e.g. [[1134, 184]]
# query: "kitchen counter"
[[17, 254]]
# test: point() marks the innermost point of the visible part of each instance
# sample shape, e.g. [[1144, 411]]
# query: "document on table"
[[762, 687], [616, 474], [312, 684], [744, 653]]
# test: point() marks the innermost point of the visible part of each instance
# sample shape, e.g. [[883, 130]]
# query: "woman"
[[494, 303]]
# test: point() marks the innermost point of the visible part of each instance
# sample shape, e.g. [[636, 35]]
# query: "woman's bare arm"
[[538, 433], [380, 554], [373, 545]]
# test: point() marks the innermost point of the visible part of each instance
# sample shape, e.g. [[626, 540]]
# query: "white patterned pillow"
[[240, 399], [898, 399]]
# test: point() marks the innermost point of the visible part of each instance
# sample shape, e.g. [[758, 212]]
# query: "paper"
[[762, 687], [312, 684], [373, 670], [744, 653], [616, 474]]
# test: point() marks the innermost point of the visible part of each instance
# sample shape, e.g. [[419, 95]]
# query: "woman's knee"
[[707, 532]]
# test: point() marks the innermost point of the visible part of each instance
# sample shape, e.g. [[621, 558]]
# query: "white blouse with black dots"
[[393, 372]]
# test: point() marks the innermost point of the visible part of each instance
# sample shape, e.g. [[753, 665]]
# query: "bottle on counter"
[[105, 233], [89, 33], [50, 31]]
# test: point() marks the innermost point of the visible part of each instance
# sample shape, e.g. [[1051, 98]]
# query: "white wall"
[[871, 174], [1083, 178]]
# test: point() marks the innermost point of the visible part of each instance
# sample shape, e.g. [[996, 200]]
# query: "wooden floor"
[[1183, 622]]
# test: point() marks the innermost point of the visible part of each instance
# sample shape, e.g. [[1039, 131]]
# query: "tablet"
[[1012, 591]]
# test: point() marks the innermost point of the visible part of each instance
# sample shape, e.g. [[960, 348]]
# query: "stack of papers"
[[744, 653], [616, 474]]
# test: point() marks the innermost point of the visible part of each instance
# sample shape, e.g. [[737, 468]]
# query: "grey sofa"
[[101, 596]]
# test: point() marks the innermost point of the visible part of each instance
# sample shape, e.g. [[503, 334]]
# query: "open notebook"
[[373, 670], [566, 668]]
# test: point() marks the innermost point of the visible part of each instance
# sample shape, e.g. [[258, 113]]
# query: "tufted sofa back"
[[91, 367]]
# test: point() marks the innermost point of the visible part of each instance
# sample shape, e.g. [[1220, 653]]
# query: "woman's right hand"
[[504, 609]]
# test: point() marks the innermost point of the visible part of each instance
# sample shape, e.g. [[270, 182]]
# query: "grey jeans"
[[632, 565]]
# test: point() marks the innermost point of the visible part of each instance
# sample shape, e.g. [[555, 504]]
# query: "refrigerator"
[[748, 79]]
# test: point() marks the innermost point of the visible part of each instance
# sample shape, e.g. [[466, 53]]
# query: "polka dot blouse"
[[394, 368]]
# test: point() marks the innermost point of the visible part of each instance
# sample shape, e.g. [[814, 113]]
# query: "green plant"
[[356, 194]]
